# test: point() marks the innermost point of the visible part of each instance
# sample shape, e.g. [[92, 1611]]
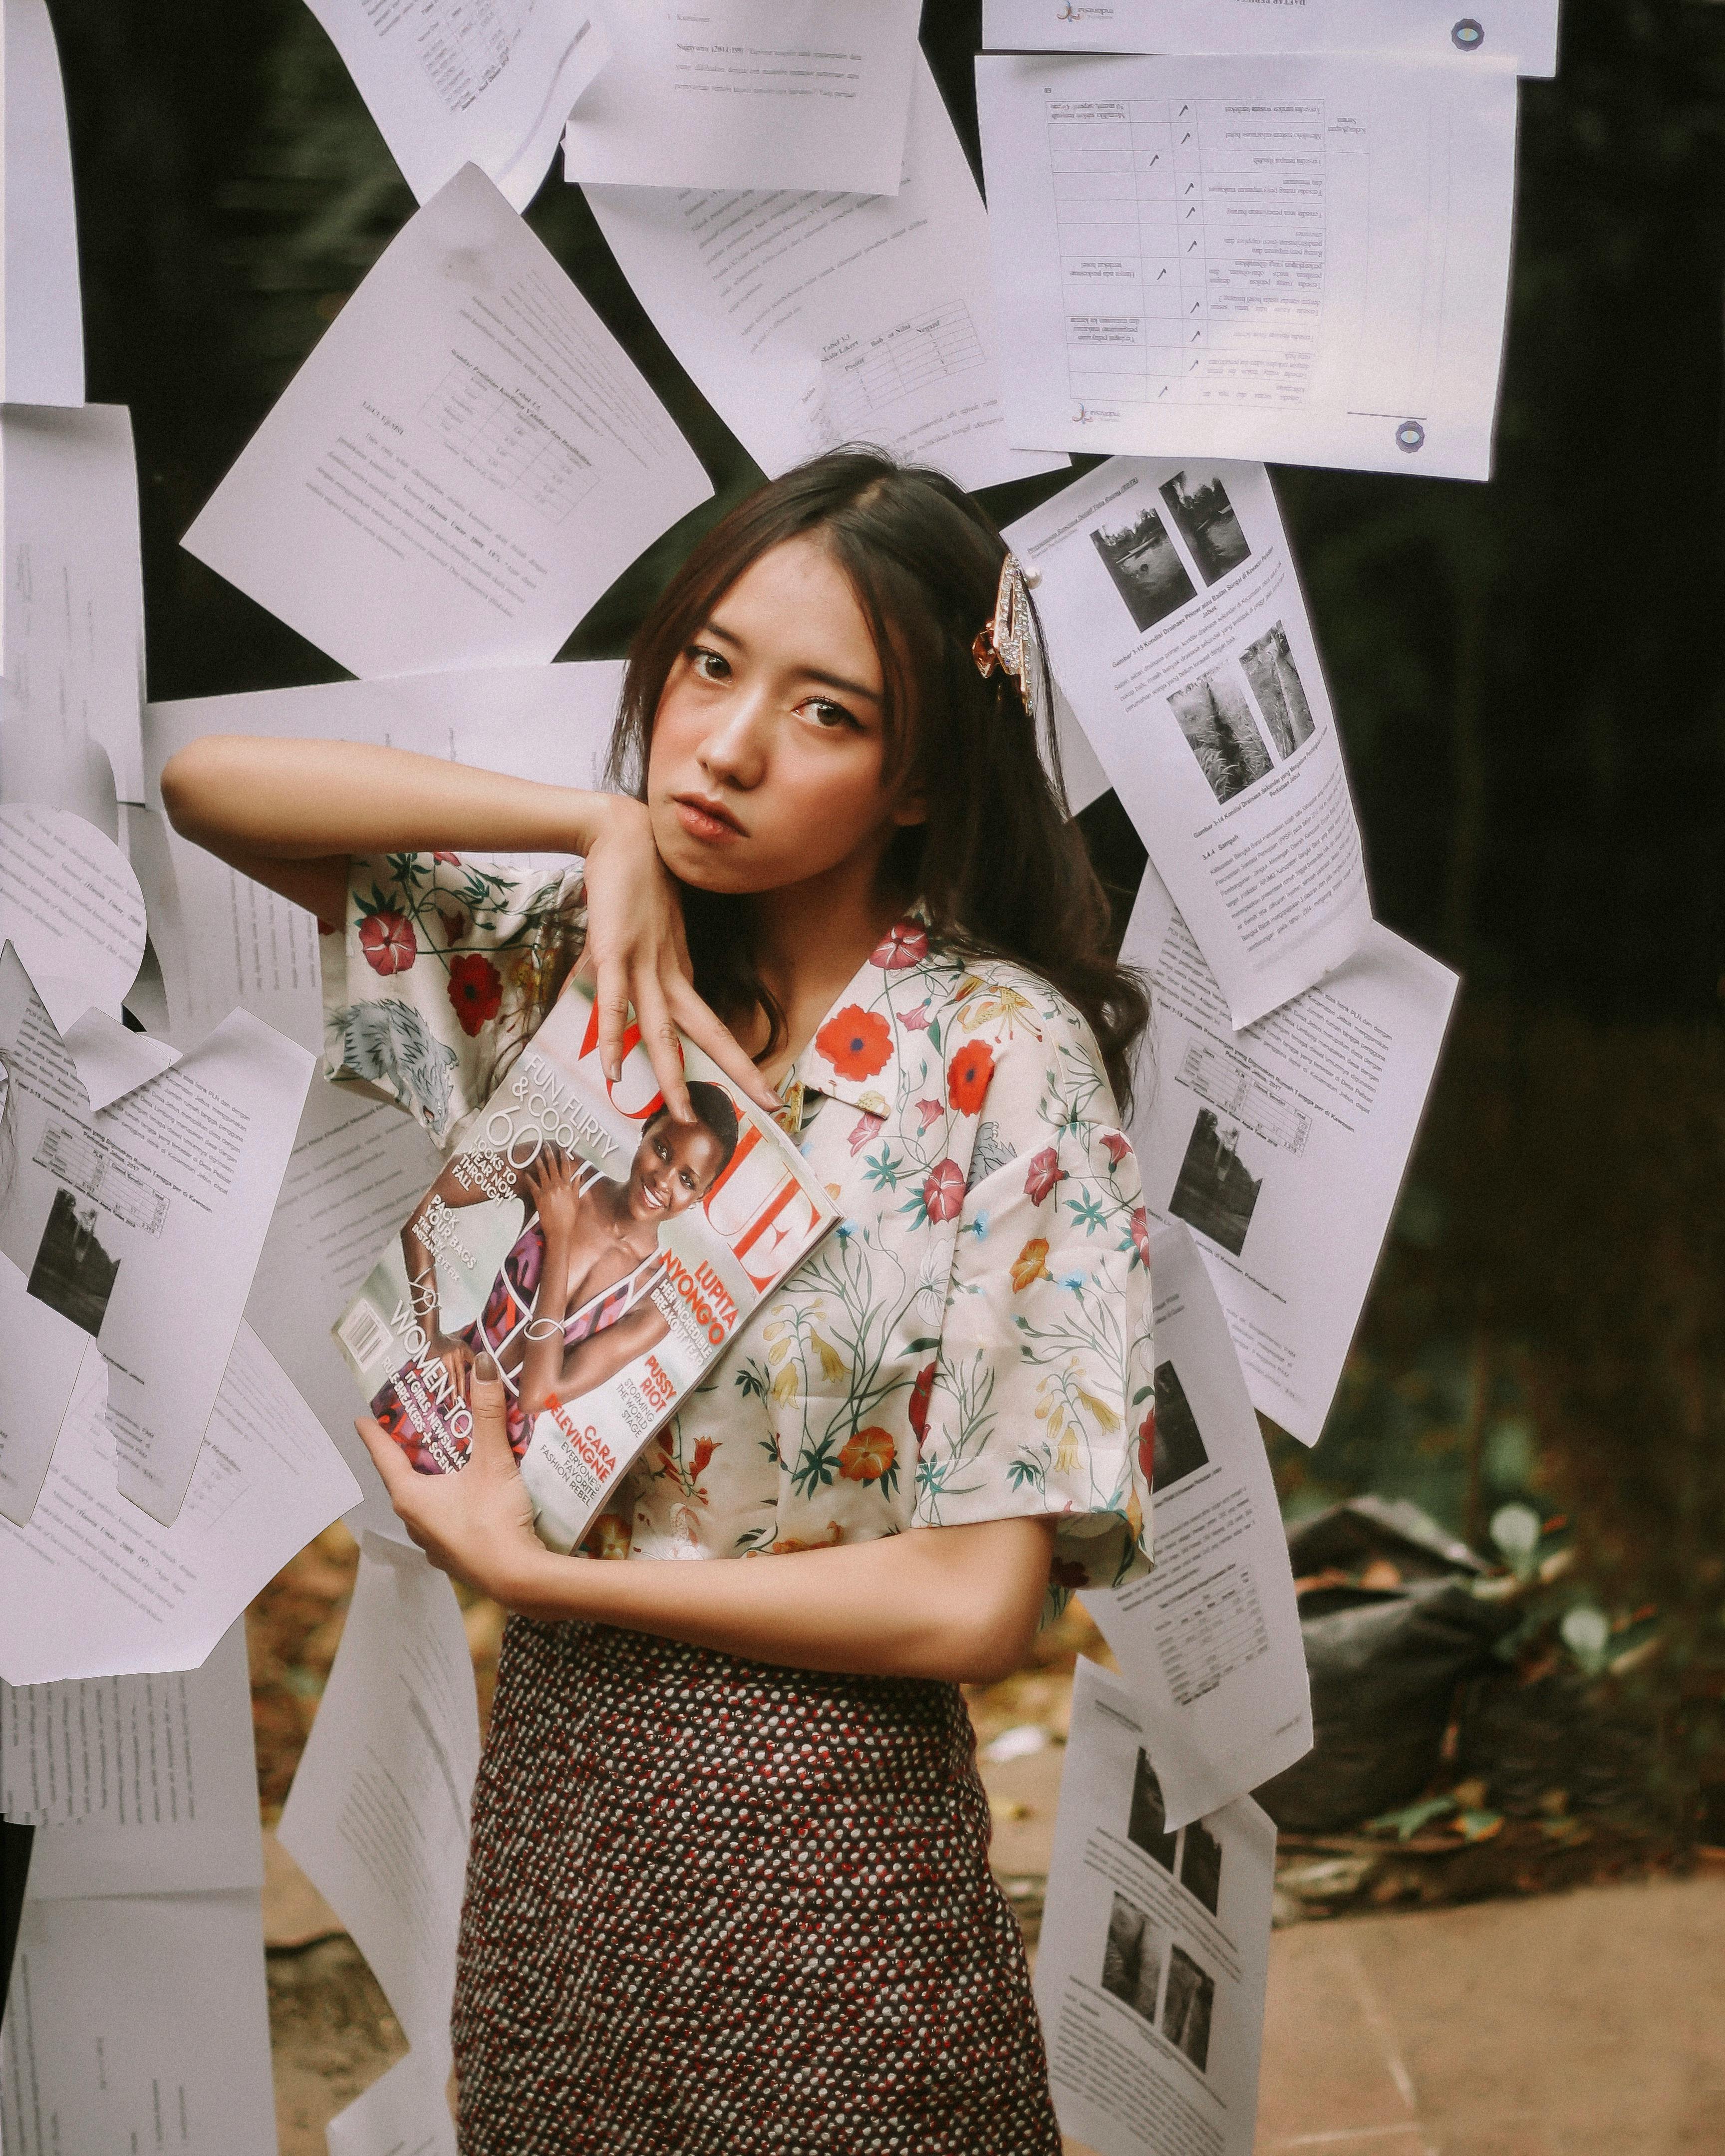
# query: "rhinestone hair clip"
[[1009, 639]]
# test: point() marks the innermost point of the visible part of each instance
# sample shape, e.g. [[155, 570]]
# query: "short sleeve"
[[1045, 1381], [442, 967]]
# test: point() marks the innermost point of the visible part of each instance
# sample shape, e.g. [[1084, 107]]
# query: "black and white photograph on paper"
[[1215, 1192], [1216, 722], [72, 1273], [1201, 1865], [1187, 2009], [1147, 573], [1204, 518], [1275, 681], [1146, 1823], [1179, 1442], [1132, 1957]]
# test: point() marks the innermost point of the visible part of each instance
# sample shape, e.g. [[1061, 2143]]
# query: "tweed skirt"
[[717, 1906]]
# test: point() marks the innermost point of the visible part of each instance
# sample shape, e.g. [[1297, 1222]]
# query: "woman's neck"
[[810, 938]]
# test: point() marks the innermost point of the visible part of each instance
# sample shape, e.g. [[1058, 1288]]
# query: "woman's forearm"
[[309, 800], [961, 1603]]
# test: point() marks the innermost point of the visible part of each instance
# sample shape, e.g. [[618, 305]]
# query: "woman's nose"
[[737, 751]]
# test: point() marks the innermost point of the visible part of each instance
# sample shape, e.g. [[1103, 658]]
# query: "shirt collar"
[[854, 1054]]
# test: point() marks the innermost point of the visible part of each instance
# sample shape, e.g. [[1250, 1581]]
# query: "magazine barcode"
[[364, 1336]]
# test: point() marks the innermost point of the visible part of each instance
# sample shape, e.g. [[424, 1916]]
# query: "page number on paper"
[[1468, 35], [1410, 436]]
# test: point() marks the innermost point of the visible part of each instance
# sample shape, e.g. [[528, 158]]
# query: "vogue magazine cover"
[[601, 1253]]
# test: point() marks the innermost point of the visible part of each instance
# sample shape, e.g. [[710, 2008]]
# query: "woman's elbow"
[[189, 787]]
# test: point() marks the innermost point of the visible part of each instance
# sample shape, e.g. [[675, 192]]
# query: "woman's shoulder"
[[1042, 1055]]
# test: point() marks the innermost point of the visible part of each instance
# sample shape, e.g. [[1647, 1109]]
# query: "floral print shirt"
[[970, 1342]]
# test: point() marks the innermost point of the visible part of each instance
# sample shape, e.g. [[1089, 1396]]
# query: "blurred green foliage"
[[1527, 676]]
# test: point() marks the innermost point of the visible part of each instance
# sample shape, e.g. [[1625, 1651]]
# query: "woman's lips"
[[702, 822]]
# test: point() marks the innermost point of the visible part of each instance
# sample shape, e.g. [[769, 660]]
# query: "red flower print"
[[905, 943], [1116, 1146], [868, 1456], [920, 1394], [1141, 1235], [915, 1021], [705, 1448], [1146, 1446], [388, 941], [867, 1129], [454, 922], [943, 1192], [930, 1112], [855, 1042], [967, 1076], [475, 990], [1041, 1176], [453, 860], [1064, 1572]]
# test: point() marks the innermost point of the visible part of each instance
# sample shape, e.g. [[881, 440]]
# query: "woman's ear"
[[910, 809]]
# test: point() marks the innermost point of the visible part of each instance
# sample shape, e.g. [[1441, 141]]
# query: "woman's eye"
[[829, 716], [708, 665]]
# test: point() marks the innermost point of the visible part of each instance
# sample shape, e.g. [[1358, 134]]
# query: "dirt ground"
[[333, 2031]]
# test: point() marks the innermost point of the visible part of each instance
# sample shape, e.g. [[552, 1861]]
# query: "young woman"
[[571, 1301], [729, 1886]]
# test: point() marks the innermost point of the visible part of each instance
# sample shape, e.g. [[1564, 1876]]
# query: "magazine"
[[601, 1253]]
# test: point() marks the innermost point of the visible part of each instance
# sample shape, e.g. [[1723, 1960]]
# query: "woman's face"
[[674, 1164], [768, 752]]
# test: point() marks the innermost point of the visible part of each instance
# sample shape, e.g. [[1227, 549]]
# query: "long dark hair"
[[999, 864]]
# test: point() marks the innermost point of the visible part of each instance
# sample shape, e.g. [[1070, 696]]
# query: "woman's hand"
[[550, 1184], [456, 1356], [477, 1525], [637, 953]]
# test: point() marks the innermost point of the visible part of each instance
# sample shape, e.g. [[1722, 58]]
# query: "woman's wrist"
[[611, 820]]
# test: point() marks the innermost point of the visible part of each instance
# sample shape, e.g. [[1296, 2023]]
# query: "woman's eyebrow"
[[807, 673]]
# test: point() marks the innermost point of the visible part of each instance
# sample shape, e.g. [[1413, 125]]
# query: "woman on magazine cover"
[[572, 1304], [729, 1888]]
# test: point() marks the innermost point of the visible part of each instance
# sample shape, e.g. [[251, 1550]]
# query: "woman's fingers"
[[387, 1456], [659, 1037], [710, 1033], [487, 1398], [611, 1001]]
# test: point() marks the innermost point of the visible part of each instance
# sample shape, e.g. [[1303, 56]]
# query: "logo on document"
[[1083, 417], [1468, 35], [1410, 436]]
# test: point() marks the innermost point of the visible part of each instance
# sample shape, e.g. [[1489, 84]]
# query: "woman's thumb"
[[487, 1398]]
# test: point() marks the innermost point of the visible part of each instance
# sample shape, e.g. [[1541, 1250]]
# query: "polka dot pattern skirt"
[[714, 1907]]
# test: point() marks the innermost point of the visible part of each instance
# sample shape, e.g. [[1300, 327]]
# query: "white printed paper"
[[465, 464], [93, 1588], [810, 320], [1282, 1148], [457, 82], [70, 906], [72, 617], [1524, 31], [137, 1784], [42, 1353], [139, 2025], [378, 1816], [406, 2112], [1155, 1947], [1175, 624], [41, 312], [1209, 1641], [143, 1223], [749, 94], [1301, 259], [357, 1169]]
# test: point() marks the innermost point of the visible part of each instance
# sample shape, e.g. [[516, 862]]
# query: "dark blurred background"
[[1525, 674]]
